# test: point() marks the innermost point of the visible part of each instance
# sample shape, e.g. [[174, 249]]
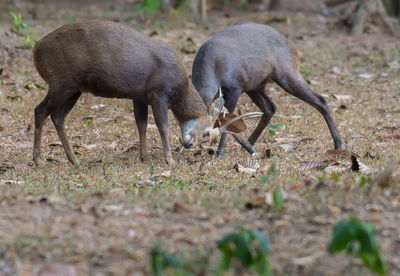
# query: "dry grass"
[[103, 217]]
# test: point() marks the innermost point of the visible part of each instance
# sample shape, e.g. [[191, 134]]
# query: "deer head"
[[201, 130]]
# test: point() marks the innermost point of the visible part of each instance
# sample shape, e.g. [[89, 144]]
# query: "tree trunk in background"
[[359, 11], [365, 9], [393, 7], [274, 5]]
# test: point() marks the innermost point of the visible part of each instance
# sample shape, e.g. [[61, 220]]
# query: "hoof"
[[252, 150]]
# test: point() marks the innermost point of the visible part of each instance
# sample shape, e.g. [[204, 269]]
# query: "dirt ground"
[[104, 218]]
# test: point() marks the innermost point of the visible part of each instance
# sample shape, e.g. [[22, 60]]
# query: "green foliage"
[[273, 128], [361, 180], [244, 5], [38, 86], [305, 70], [271, 171], [277, 195], [149, 6], [358, 239], [242, 246], [162, 260], [21, 28]]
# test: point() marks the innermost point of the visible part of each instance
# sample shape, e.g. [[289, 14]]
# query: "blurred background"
[[174, 10]]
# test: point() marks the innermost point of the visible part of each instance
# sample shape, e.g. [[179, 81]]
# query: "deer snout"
[[188, 141]]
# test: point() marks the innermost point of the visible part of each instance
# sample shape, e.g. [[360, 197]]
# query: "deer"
[[242, 58], [111, 60]]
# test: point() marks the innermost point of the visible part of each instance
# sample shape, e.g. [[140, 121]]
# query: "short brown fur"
[[242, 58], [111, 60]]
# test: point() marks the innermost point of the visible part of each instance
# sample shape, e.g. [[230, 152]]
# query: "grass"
[[103, 217]]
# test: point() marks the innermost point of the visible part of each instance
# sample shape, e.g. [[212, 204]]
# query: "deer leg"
[[58, 117], [141, 114], [294, 84], [160, 112], [41, 113], [231, 99], [53, 100], [266, 106]]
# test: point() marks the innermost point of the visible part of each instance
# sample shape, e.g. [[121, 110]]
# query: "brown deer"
[[111, 60], [242, 58]]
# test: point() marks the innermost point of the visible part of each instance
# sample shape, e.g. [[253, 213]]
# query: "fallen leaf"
[[336, 168], [343, 97], [113, 207], [118, 192], [262, 154], [1, 128], [14, 97], [286, 140], [97, 106], [282, 224], [303, 261], [287, 147], [366, 76], [88, 118], [133, 148], [249, 166], [131, 233], [181, 208], [358, 166], [374, 207], [392, 136], [88, 147], [141, 212], [256, 203], [11, 181], [166, 174], [57, 269], [334, 210], [54, 144], [25, 131], [145, 183], [153, 33], [337, 154]]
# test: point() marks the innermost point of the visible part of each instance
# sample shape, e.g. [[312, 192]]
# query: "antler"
[[241, 117]]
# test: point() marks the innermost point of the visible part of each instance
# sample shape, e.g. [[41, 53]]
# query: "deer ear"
[[216, 106]]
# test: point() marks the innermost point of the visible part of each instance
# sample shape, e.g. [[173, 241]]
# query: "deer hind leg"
[[141, 115], [231, 99], [58, 117], [294, 84], [264, 103], [54, 99]]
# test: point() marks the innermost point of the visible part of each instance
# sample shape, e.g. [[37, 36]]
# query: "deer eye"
[[206, 135]]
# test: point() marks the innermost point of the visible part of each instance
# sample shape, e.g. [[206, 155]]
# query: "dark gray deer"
[[111, 60], [242, 58]]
